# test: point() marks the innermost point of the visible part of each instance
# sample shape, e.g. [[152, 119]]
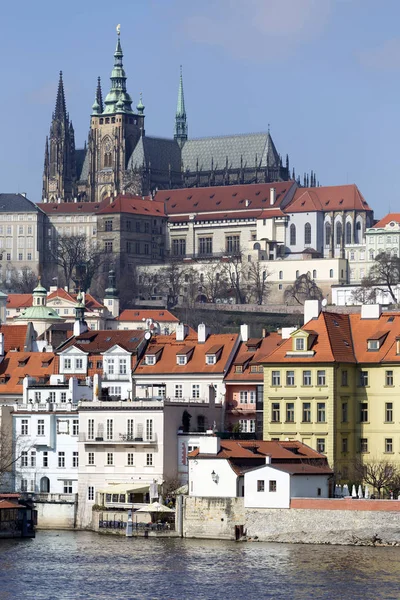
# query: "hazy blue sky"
[[324, 73]]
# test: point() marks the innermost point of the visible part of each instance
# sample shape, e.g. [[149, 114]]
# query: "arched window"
[[339, 233], [297, 274], [331, 273], [293, 234], [328, 233], [314, 274], [371, 255], [358, 233], [107, 159], [348, 232], [307, 234], [280, 274]]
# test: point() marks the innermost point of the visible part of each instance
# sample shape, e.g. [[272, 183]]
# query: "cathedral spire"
[[118, 94], [60, 111], [99, 96], [181, 129]]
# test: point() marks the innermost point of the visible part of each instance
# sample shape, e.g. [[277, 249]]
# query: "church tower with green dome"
[[115, 130]]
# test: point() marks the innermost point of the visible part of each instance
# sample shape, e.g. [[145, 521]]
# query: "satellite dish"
[[324, 302], [147, 335]]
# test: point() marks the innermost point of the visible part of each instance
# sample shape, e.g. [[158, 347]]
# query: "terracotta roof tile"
[[268, 344], [11, 365], [395, 217], [133, 314], [72, 207], [95, 342], [327, 198], [14, 336], [19, 301], [278, 451], [129, 203]]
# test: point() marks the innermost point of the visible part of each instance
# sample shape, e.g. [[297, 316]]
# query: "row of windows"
[[205, 245], [307, 378], [137, 248], [20, 255], [364, 447], [67, 486], [30, 460], [339, 234], [91, 459], [8, 230], [306, 412], [131, 432], [50, 397], [130, 225]]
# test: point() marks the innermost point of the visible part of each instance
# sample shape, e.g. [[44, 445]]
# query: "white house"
[[45, 434]]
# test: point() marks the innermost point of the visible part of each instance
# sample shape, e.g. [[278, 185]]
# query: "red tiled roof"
[[14, 336], [10, 366], [395, 217], [95, 342], [136, 205], [71, 207], [197, 363], [90, 302], [327, 198], [7, 504], [132, 314], [268, 344], [19, 300], [279, 451], [223, 198]]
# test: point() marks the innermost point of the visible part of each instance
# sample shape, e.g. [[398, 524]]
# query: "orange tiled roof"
[[335, 197], [197, 362], [14, 336], [97, 341], [268, 344], [278, 451], [72, 207], [11, 372], [19, 300], [136, 205], [218, 199], [133, 314], [7, 504], [90, 301], [390, 217]]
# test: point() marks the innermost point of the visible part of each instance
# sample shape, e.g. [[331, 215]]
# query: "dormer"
[[23, 361], [302, 342], [152, 355], [241, 363], [184, 354], [375, 342], [213, 354], [253, 344]]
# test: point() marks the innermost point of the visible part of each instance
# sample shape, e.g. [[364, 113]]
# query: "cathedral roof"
[[16, 203], [157, 153], [247, 149]]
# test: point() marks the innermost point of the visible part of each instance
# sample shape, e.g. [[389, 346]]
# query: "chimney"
[[210, 443], [75, 200], [244, 333], [181, 332], [202, 333], [272, 196], [312, 308], [371, 311], [59, 200], [286, 331], [247, 203], [268, 459]]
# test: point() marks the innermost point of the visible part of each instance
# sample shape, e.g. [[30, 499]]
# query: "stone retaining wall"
[[212, 518]]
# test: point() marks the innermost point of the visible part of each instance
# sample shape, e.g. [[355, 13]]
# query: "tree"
[[259, 287], [376, 473], [78, 259], [365, 293], [234, 271], [215, 284], [384, 274], [20, 281], [172, 278], [304, 288]]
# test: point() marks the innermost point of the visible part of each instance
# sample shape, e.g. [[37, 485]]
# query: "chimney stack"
[[244, 332], [272, 196]]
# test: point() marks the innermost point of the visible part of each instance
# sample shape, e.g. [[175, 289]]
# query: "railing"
[[43, 497], [116, 377], [119, 438]]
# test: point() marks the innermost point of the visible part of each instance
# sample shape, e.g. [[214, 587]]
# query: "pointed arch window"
[[348, 232], [293, 234], [328, 233], [339, 233], [307, 234], [358, 233]]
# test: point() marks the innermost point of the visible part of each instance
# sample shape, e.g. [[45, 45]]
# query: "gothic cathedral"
[[119, 157]]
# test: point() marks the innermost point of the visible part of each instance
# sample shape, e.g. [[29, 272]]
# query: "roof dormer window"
[[300, 344], [181, 359], [211, 359], [150, 359], [373, 344]]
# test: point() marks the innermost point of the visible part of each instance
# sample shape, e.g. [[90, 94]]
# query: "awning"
[[125, 488]]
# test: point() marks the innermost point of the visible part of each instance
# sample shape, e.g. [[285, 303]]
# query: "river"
[[86, 566]]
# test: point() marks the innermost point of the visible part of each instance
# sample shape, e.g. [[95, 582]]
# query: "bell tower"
[[115, 129]]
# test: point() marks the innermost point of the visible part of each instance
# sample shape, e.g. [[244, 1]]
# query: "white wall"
[[202, 484], [267, 499]]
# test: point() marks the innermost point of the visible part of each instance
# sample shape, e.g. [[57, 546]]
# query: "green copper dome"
[[118, 100], [140, 106]]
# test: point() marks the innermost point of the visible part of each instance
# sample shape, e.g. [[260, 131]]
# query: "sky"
[[323, 74]]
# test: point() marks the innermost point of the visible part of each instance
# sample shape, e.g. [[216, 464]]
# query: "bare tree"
[[234, 271], [214, 284], [21, 281], [304, 288], [364, 293], [384, 274], [78, 259], [378, 473], [172, 279], [257, 275]]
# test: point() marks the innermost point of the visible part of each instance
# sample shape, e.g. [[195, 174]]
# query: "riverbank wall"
[[308, 521], [56, 511]]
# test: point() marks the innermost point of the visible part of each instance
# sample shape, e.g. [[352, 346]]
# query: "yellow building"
[[333, 385]]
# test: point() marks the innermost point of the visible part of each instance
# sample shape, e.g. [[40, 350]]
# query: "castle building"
[[120, 158]]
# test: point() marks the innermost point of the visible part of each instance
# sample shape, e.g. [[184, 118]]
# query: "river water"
[[83, 565]]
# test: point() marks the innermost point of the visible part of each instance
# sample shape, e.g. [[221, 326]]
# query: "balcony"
[[119, 439], [236, 408], [116, 377]]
